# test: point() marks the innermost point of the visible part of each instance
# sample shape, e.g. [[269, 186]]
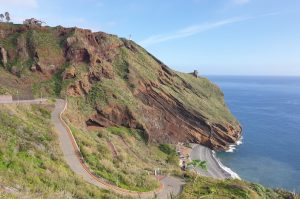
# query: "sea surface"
[[269, 111]]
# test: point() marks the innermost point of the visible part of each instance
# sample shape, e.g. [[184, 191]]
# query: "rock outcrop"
[[123, 83], [69, 73], [3, 56]]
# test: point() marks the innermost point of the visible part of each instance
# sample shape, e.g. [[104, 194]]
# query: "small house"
[[33, 21]]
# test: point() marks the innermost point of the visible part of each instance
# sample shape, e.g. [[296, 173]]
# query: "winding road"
[[169, 185]]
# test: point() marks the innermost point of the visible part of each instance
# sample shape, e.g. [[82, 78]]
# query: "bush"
[[167, 149], [172, 159], [258, 189]]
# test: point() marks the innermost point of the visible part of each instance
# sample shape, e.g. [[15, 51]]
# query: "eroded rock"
[[144, 94], [3, 56], [113, 115], [69, 73]]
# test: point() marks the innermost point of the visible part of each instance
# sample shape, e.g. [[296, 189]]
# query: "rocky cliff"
[[122, 83]]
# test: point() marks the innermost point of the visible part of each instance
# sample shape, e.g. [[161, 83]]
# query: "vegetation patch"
[[46, 44], [172, 157], [124, 132], [134, 165], [31, 162], [3, 91], [122, 170], [203, 187], [49, 88]]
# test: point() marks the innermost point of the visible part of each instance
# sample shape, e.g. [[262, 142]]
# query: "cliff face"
[[120, 81]]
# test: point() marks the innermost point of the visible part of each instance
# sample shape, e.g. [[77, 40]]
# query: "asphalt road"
[[214, 170], [169, 185]]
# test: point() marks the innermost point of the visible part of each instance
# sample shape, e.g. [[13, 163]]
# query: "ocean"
[[269, 111]]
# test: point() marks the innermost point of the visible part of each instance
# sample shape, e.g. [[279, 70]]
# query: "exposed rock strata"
[[139, 91]]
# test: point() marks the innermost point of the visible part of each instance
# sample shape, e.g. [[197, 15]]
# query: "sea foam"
[[230, 150], [228, 170], [232, 147]]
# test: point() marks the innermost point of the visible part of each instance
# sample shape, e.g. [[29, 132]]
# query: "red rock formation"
[[161, 108]]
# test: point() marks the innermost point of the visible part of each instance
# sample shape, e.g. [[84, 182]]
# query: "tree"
[[198, 164], [1, 17], [7, 17]]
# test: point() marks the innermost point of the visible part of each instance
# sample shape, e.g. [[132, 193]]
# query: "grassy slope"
[[227, 189], [135, 161], [45, 42], [31, 163], [203, 96], [30, 149], [206, 97]]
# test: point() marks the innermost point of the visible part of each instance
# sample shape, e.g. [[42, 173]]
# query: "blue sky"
[[233, 37]]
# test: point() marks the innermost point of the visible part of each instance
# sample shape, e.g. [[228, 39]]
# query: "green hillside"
[[31, 162], [125, 107]]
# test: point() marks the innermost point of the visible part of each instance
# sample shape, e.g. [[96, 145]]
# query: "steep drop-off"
[[121, 82]]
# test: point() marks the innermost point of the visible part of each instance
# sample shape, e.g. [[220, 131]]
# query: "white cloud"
[[197, 29], [190, 31], [241, 2], [20, 3]]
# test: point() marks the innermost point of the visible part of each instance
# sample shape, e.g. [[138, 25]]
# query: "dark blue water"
[[269, 111]]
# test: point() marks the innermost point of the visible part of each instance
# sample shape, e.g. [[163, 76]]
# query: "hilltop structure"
[[33, 21]]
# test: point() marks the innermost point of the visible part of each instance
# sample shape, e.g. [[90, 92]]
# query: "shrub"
[[167, 149], [172, 159]]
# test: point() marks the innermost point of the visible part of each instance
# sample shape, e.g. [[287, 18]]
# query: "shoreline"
[[232, 147], [232, 174], [215, 167]]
